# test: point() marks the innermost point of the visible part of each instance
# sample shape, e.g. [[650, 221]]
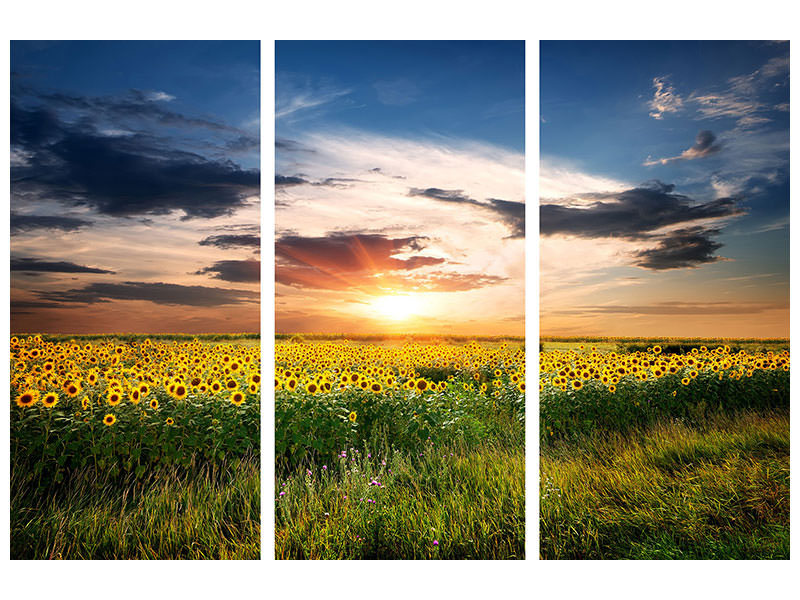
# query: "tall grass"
[[718, 489], [447, 503], [213, 513]]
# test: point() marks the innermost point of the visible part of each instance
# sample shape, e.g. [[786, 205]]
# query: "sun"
[[397, 307]]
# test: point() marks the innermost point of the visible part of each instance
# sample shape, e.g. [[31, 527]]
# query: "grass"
[[213, 513], [716, 490], [164, 476], [449, 503]]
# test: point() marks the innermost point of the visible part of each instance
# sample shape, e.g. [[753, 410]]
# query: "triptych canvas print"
[[395, 294]]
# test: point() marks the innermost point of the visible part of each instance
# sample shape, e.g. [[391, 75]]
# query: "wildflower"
[[435, 542], [109, 420]]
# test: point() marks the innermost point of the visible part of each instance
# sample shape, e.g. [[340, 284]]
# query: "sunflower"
[[113, 398], [28, 398], [85, 402], [180, 391], [135, 396], [577, 384], [154, 404], [169, 421], [521, 386], [50, 399], [231, 385], [312, 388], [376, 387], [352, 416], [237, 398], [421, 385], [73, 389], [109, 420]]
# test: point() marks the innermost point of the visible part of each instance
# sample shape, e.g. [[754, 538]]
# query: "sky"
[[664, 189], [399, 187], [135, 186]]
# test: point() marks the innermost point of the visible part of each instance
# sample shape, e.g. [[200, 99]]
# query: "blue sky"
[[473, 90], [669, 161], [400, 186], [135, 186]]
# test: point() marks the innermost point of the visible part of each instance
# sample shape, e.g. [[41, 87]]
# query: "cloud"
[[234, 270], [293, 95], [351, 253], [287, 145], [510, 213], [680, 249], [230, 240], [665, 99], [703, 147], [160, 97], [123, 176], [397, 92], [43, 266], [679, 308], [631, 214], [286, 181], [158, 293], [135, 106], [26, 223], [744, 96]]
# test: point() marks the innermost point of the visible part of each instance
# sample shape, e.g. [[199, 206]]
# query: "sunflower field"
[[581, 390], [121, 412], [668, 451], [355, 420]]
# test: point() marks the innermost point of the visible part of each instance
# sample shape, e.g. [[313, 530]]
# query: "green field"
[[664, 452], [427, 464], [145, 447]]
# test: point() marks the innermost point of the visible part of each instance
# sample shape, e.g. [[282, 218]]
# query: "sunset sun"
[[398, 307]]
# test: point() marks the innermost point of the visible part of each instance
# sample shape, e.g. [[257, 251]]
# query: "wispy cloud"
[[665, 98], [295, 96]]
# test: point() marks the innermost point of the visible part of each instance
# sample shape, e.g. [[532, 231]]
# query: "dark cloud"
[[512, 214], [121, 175], [367, 262], [234, 270], [158, 293], [244, 143], [703, 147], [291, 146], [680, 249], [286, 181], [25, 223], [631, 214], [342, 260], [232, 240], [44, 266], [135, 105], [444, 195]]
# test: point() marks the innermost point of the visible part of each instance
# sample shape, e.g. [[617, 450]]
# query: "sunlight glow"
[[397, 307]]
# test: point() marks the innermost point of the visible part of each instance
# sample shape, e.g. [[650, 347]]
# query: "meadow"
[[667, 449], [399, 451], [135, 447]]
